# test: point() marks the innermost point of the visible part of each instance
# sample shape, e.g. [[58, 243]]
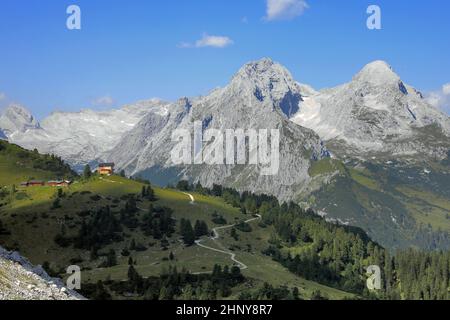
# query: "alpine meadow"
[[240, 182]]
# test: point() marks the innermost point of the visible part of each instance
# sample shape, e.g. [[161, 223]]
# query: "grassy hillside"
[[398, 205], [18, 165], [34, 225], [132, 241], [39, 220]]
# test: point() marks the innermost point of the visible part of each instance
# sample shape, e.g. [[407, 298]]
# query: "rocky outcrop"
[[17, 119], [20, 280]]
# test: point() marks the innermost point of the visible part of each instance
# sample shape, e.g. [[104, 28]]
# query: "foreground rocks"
[[20, 280]]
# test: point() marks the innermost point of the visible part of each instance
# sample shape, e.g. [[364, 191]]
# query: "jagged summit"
[[264, 68], [377, 73], [78, 137], [256, 67], [375, 114], [262, 95], [17, 118], [267, 81]]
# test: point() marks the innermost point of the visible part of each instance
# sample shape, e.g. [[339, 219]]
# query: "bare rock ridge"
[[78, 137], [261, 95], [374, 116], [17, 119]]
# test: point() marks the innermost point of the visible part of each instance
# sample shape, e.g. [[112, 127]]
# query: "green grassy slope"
[[397, 205], [18, 165], [33, 222]]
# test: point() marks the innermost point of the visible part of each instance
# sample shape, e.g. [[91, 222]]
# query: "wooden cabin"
[[59, 183], [106, 168], [36, 183]]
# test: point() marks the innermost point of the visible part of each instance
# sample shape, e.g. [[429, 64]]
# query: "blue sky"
[[139, 49]]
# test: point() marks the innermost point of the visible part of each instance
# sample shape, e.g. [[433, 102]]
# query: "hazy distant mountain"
[[78, 137], [16, 120]]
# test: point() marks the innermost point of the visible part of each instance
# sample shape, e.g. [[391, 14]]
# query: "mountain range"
[[78, 137], [371, 153]]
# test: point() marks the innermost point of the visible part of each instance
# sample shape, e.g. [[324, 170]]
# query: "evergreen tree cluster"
[[158, 222], [337, 255], [189, 234], [3, 230], [128, 215], [269, 292], [175, 285], [102, 228], [200, 229], [148, 193], [33, 159]]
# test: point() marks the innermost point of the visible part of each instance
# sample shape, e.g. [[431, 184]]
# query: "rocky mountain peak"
[[17, 118], [266, 81], [264, 70], [377, 73], [376, 115]]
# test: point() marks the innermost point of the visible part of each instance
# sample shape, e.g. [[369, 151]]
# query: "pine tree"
[[100, 292], [133, 245], [200, 229], [111, 259], [150, 194], [187, 232], [130, 205], [295, 294], [234, 235], [87, 173]]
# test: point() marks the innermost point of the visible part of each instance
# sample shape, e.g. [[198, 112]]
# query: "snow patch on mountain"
[[375, 113], [17, 119], [262, 95], [78, 137]]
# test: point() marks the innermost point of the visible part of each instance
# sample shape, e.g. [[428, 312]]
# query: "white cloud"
[[441, 98], [208, 41], [446, 89], [184, 45], [103, 101], [2, 96], [285, 9]]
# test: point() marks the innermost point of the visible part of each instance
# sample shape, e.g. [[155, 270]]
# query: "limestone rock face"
[[20, 280], [262, 95], [78, 137], [376, 115]]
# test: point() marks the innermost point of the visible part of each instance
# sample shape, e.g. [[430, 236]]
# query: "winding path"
[[190, 196], [216, 237]]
